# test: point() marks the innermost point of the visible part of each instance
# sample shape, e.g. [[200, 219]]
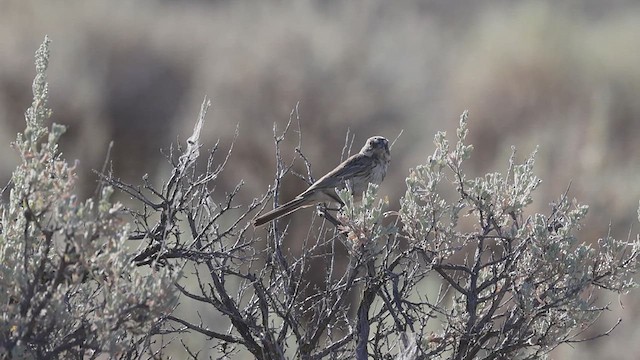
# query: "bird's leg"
[[323, 211]]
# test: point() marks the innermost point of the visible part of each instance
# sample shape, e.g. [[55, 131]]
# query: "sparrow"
[[355, 173]]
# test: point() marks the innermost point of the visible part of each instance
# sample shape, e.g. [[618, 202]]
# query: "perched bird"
[[367, 166]]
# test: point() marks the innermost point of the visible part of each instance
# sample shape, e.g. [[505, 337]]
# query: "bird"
[[367, 166]]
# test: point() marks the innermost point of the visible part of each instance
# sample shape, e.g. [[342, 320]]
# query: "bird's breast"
[[378, 172]]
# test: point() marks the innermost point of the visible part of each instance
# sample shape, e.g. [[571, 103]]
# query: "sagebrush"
[[473, 275]]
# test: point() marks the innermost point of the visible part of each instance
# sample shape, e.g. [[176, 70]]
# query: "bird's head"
[[376, 145]]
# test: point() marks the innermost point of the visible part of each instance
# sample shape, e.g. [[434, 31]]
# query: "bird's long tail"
[[284, 209]]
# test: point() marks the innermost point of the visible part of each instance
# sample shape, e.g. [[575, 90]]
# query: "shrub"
[[69, 286], [468, 276], [511, 286]]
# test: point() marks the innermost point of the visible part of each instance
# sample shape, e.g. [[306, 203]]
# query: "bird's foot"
[[323, 211]]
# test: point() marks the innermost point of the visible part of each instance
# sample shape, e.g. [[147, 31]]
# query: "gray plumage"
[[367, 166]]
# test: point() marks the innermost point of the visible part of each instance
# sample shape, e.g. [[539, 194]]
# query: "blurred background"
[[564, 76]]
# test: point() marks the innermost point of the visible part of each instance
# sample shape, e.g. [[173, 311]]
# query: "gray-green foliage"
[[525, 283], [361, 221], [68, 287]]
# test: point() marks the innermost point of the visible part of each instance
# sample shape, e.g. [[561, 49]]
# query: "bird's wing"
[[347, 170]]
